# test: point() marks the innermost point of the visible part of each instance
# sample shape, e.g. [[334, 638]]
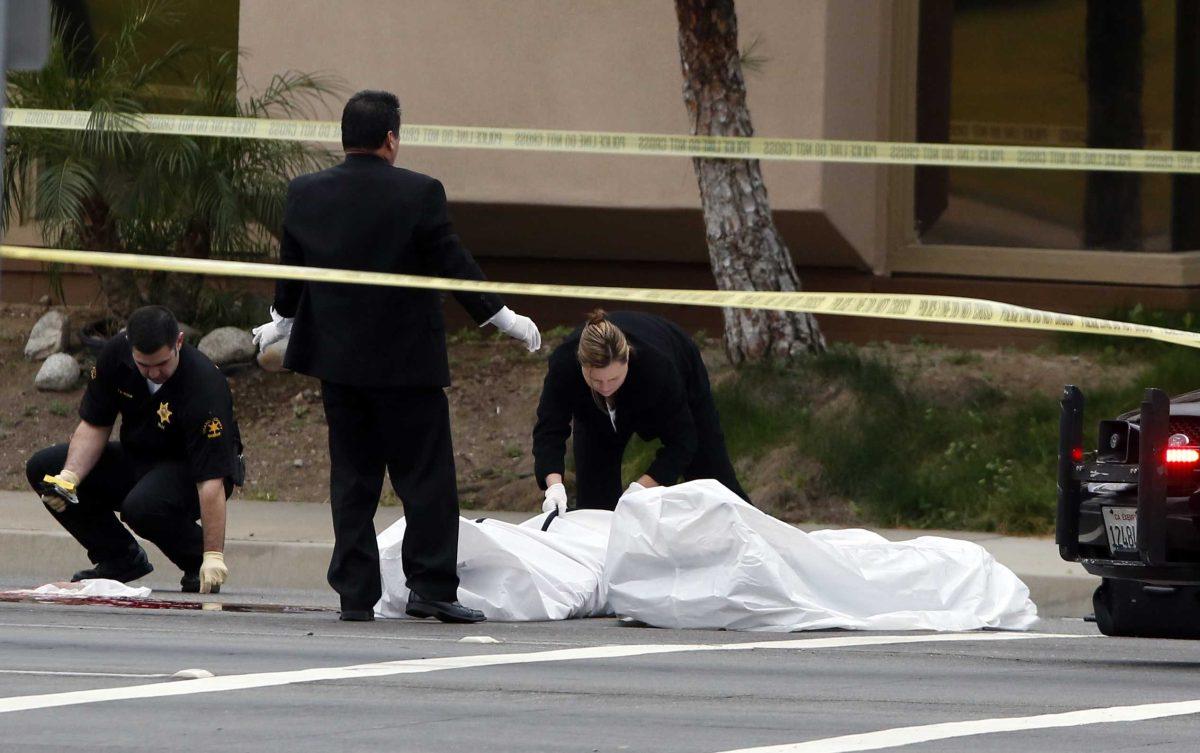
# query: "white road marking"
[[174, 630], [898, 736], [413, 666], [76, 674]]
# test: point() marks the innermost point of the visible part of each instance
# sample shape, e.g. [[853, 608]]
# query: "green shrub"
[[985, 461], [903, 457]]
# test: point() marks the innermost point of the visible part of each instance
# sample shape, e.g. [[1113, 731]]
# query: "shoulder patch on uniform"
[[213, 428]]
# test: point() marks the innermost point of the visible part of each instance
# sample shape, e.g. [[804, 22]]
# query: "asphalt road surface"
[[99, 678]]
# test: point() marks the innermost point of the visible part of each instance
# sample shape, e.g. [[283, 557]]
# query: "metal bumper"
[[1168, 533]]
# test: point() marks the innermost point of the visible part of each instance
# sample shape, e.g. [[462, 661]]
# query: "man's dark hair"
[[151, 328], [367, 118]]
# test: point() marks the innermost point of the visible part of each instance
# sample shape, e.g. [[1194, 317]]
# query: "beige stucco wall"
[[856, 108], [595, 65]]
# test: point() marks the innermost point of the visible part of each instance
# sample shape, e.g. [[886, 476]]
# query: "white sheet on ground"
[[516, 573], [697, 556], [87, 587]]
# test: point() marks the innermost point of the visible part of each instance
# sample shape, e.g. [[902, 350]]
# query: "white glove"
[[556, 499], [634, 487], [59, 491], [213, 571], [266, 335], [517, 327]]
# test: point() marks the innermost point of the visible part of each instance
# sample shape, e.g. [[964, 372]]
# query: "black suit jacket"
[[366, 215], [666, 378]]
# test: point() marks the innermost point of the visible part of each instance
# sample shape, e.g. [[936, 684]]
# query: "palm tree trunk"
[[744, 247]]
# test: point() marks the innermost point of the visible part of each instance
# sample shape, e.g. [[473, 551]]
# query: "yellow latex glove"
[[59, 491], [213, 571]]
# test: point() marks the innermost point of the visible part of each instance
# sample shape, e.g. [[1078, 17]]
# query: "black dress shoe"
[[446, 611], [357, 615], [121, 570], [190, 584]]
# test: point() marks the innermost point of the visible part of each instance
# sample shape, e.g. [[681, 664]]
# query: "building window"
[[210, 27], [1058, 73]]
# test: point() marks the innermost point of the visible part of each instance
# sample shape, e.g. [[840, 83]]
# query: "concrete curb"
[[286, 546], [38, 557], [1061, 595]]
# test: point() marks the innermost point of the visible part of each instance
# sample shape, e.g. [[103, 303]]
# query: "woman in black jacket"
[[622, 374]]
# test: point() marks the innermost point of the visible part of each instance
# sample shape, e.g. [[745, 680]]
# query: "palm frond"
[[293, 94], [18, 177], [172, 157], [62, 191], [751, 57], [140, 19], [113, 187]]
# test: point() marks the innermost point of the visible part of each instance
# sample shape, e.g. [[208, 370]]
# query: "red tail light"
[[1077, 454], [1183, 455]]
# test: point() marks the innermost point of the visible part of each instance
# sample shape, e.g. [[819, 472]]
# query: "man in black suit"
[[380, 353]]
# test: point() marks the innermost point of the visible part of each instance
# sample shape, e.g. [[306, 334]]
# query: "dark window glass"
[[1051, 73], [210, 27]]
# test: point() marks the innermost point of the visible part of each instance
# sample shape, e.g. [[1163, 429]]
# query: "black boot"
[[123, 570]]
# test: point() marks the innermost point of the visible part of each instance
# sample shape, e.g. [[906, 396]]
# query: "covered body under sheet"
[[696, 556], [516, 573]]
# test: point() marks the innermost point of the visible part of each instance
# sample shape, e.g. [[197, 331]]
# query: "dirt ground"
[[493, 401]]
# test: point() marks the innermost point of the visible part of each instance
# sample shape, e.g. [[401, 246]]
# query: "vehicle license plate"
[[1121, 524]]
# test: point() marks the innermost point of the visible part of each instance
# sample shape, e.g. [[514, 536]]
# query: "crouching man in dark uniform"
[[177, 462]]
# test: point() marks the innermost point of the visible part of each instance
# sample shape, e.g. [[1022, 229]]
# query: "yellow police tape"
[[921, 308], [598, 142]]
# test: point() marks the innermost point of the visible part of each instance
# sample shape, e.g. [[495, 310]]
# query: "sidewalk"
[[286, 546]]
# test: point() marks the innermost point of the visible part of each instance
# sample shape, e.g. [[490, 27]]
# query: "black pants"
[[159, 502], [407, 432], [598, 459]]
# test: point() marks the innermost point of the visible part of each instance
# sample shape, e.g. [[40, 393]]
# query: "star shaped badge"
[[164, 415]]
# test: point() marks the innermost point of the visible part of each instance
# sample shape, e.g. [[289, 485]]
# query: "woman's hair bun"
[[601, 342]]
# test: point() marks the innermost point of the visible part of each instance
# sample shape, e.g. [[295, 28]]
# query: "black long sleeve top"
[[666, 375]]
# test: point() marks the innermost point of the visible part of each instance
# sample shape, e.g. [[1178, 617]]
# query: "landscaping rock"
[[59, 373], [271, 359], [48, 336], [228, 345]]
